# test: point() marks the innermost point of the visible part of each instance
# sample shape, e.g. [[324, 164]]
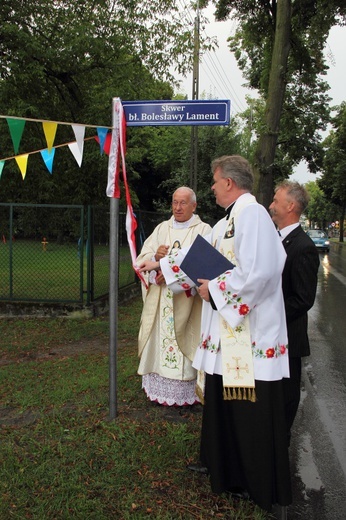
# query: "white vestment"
[[252, 288], [170, 323]]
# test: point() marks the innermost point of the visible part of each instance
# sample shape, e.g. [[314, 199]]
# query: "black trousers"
[[244, 444], [292, 391]]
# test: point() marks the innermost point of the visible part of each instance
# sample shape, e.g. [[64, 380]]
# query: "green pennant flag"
[[16, 127], [2, 164]]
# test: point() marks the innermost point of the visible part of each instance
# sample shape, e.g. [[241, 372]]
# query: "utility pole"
[[250, 130], [195, 85]]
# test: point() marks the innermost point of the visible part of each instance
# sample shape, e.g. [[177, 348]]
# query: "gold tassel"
[[227, 393], [237, 394]]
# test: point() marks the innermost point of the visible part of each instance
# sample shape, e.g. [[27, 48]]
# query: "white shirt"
[[287, 230]]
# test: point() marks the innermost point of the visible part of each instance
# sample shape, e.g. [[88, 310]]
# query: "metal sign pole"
[[113, 298]]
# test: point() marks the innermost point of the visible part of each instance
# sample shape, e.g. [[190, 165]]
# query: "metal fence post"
[[90, 256], [113, 300], [11, 251], [81, 264]]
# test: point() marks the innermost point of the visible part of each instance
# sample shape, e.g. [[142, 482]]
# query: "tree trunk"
[[342, 220], [265, 152]]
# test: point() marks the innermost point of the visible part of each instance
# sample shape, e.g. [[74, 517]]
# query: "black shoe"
[[198, 468]]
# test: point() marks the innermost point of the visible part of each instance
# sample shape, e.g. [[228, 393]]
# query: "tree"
[[279, 46], [333, 180], [65, 60], [320, 211]]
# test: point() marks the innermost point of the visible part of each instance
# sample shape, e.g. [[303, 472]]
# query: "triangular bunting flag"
[[77, 153], [16, 127], [22, 161], [79, 132], [102, 132], [2, 164], [48, 157], [49, 129], [107, 143]]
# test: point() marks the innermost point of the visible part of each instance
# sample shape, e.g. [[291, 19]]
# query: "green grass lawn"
[[61, 457], [56, 272]]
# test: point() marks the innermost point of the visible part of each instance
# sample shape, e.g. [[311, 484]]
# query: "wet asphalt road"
[[318, 446]]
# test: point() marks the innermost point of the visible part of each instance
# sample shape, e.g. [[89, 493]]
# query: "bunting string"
[[16, 127], [113, 144], [54, 122], [43, 149]]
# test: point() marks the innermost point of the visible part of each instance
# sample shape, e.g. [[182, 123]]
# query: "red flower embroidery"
[[176, 268], [270, 352], [222, 286], [205, 342], [243, 309], [282, 349], [185, 286], [170, 349]]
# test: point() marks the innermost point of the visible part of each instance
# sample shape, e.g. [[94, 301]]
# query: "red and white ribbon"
[[116, 157]]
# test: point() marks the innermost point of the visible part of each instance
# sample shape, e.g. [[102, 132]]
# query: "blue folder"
[[204, 261]]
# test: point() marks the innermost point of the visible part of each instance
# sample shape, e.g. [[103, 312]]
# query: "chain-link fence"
[[56, 253]]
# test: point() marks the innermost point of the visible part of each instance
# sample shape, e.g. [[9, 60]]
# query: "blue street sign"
[[164, 113]]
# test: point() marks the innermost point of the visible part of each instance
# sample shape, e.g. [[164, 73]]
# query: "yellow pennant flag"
[[49, 129], [22, 161]]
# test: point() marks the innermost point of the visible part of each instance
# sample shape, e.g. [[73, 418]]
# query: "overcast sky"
[[220, 78]]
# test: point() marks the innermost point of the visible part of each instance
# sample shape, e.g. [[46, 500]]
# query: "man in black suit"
[[299, 282]]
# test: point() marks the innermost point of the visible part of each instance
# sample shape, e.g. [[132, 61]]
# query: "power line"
[[221, 79], [213, 69], [222, 76]]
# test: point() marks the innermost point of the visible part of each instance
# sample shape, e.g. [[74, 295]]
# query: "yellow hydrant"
[[44, 244]]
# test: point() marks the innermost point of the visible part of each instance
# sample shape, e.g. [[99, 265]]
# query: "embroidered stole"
[[237, 363]]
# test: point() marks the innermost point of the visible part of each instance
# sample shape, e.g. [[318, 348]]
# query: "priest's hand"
[[161, 252], [148, 265], [203, 289]]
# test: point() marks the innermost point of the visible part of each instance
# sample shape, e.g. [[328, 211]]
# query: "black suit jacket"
[[299, 282]]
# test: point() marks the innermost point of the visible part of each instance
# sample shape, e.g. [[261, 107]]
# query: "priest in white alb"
[[170, 323]]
